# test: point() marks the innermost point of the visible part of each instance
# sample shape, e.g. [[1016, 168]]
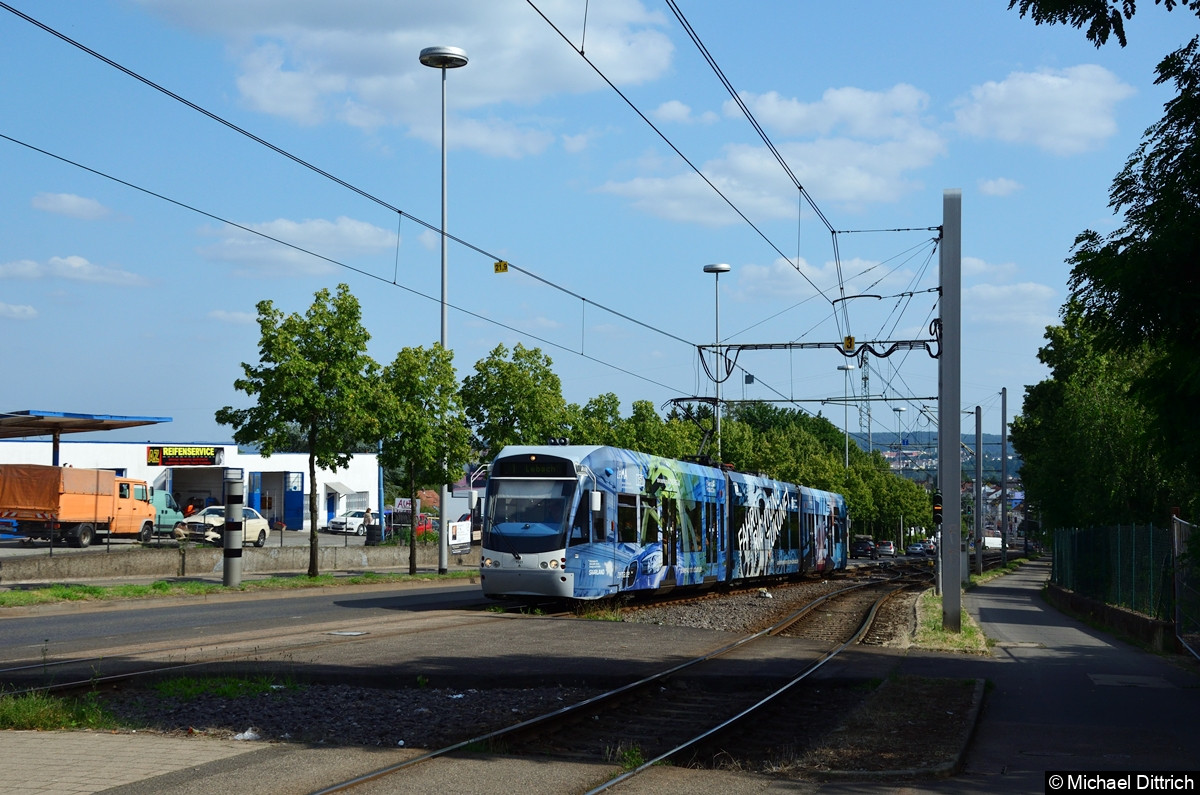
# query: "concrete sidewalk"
[[1062, 697]]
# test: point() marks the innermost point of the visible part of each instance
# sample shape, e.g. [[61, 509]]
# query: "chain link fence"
[[1130, 566], [1187, 586]]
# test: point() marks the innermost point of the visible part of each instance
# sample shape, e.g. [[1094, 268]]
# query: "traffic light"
[[937, 508]]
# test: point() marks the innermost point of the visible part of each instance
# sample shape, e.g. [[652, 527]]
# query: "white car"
[[208, 525], [349, 522]]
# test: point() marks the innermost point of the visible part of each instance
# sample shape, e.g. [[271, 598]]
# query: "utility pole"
[[978, 490], [1004, 476], [949, 420]]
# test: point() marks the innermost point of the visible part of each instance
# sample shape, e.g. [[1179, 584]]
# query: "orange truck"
[[74, 505]]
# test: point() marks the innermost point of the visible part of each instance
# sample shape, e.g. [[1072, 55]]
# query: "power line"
[[338, 263], [674, 148]]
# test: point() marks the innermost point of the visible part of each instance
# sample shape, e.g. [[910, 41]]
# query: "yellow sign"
[[848, 344], [184, 456], [500, 267]]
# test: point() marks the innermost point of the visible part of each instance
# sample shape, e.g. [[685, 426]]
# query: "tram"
[[590, 522]]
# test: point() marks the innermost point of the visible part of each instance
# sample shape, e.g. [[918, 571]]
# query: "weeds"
[[930, 634], [189, 688], [44, 712], [23, 597], [599, 613]]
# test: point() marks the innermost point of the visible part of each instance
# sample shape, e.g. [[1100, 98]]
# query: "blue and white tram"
[[587, 522]]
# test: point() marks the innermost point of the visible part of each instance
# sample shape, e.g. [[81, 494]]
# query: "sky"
[[607, 150]]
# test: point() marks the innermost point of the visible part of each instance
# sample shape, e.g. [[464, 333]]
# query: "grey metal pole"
[[232, 536], [718, 372], [443, 58], [978, 490], [949, 419], [1004, 476], [443, 539]]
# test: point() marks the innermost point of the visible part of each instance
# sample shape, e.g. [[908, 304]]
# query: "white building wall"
[[354, 487]]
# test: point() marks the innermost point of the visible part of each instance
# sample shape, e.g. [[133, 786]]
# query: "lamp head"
[[720, 267], [444, 57]]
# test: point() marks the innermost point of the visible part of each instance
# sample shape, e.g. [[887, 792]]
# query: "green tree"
[[597, 422], [1141, 282], [1103, 18], [1090, 453], [313, 373], [425, 433], [515, 400]]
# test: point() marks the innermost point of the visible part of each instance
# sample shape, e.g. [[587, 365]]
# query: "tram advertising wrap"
[[587, 522]]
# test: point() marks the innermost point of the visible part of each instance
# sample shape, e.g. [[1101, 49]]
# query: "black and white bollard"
[[234, 494]]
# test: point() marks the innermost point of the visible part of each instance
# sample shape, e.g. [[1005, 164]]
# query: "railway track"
[[236, 654], [686, 712]]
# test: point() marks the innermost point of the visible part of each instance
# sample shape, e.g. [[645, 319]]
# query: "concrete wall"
[[1150, 632], [207, 562]]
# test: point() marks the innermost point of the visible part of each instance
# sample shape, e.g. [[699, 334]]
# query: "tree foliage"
[[425, 433], [313, 374], [1090, 453], [1112, 435], [515, 400], [1103, 18]]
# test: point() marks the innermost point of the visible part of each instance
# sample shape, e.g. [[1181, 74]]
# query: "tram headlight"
[[488, 563], [543, 564], [554, 564]]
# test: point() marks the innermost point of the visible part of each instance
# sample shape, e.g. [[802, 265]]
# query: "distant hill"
[[926, 442]]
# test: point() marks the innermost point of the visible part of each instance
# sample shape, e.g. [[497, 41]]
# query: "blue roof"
[[34, 422]]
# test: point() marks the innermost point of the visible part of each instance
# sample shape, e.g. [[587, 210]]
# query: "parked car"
[[887, 548], [915, 548], [349, 522], [208, 526], [864, 548], [930, 548]]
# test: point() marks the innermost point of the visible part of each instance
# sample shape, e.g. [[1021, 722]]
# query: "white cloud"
[[234, 318], [1000, 186], [337, 240], [70, 205], [71, 268], [17, 311], [1027, 304], [575, 143], [1064, 112], [676, 112], [849, 172], [358, 62], [894, 113]]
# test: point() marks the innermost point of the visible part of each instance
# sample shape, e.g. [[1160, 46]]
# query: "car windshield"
[[213, 510]]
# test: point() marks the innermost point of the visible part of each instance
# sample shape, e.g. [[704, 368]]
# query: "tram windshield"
[[527, 515]]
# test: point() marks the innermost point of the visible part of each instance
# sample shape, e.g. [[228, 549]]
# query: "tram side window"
[[694, 539], [627, 526], [651, 520], [737, 521], [793, 528], [712, 544], [601, 529], [669, 513], [580, 523]]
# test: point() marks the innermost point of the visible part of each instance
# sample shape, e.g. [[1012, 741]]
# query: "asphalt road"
[[59, 631], [11, 546]]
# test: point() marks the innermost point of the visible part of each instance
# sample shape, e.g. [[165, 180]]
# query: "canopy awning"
[[20, 424], [341, 488]]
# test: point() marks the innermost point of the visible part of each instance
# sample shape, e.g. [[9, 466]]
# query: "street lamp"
[[846, 368], [443, 58], [899, 446], [717, 270]]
